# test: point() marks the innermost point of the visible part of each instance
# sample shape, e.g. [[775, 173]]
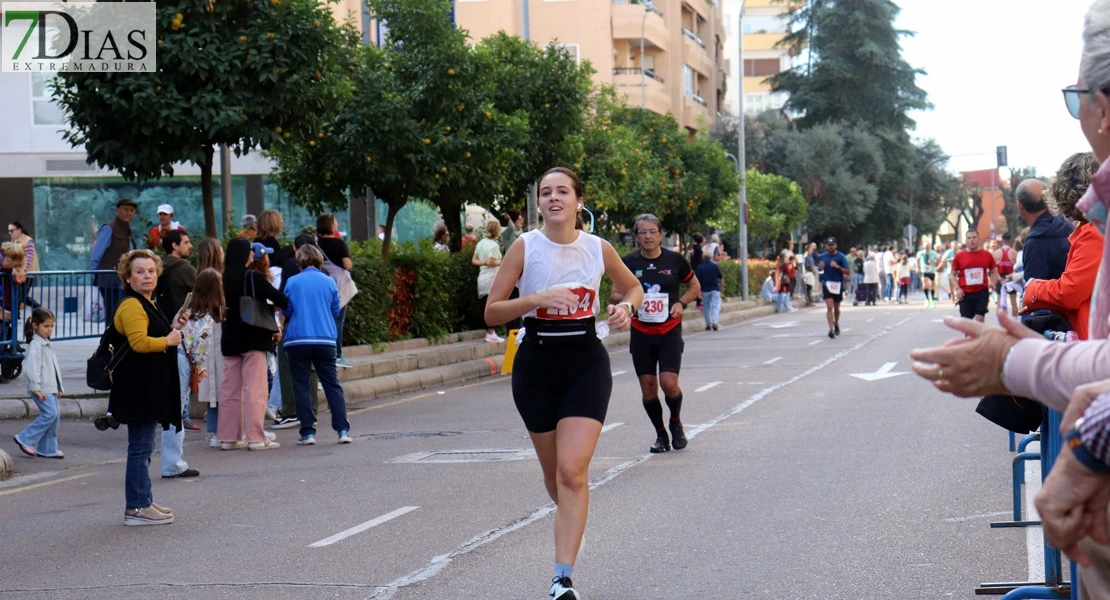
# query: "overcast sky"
[[995, 70]]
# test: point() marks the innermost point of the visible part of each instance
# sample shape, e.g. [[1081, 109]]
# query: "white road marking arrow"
[[883, 373]]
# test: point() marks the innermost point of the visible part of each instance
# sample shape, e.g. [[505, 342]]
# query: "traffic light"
[[1000, 152]]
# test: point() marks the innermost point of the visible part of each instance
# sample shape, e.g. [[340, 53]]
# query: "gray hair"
[[647, 218], [310, 256], [1095, 64]]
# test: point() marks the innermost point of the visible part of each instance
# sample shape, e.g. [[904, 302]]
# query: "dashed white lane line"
[[618, 373], [610, 427], [711, 384], [772, 361], [869, 320], [438, 563], [815, 342], [342, 535]]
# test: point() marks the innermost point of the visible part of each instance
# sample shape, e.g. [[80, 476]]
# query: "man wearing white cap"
[[164, 226]]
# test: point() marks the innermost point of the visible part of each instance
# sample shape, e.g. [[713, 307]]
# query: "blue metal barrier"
[[80, 300]]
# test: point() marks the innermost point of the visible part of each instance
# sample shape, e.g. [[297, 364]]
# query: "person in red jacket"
[[164, 226], [1070, 295]]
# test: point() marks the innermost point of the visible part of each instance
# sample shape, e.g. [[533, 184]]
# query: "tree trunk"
[[391, 214], [453, 220], [206, 193]]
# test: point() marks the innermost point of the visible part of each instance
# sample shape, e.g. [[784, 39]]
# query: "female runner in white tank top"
[[561, 374]]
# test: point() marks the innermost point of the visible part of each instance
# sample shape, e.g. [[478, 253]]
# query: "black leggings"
[[555, 381]]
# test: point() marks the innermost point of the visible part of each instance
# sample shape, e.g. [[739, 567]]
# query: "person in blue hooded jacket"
[[1046, 250], [310, 342]]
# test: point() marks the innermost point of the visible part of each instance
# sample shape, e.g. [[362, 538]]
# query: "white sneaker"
[[562, 589], [267, 445], [213, 442], [271, 436], [233, 445], [493, 338], [271, 413]]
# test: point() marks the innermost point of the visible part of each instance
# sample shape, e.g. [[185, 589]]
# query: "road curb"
[[13, 408]]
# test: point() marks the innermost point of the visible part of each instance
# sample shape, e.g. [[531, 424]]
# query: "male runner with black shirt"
[[656, 343]]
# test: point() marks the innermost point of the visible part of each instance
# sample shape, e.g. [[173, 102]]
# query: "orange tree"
[[420, 122], [247, 73]]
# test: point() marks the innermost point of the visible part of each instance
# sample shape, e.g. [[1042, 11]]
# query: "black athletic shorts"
[[930, 276], [555, 377], [825, 295], [653, 354], [974, 304]]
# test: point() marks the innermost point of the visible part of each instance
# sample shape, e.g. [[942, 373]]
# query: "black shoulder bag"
[[112, 349], [254, 312]]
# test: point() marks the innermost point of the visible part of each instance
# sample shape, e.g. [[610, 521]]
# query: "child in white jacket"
[[44, 382]]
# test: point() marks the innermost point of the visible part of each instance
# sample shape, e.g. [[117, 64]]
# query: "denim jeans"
[[211, 419], [136, 482], [782, 302], [42, 433], [274, 382], [288, 402], [173, 461], [301, 360], [342, 316], [711, 307], [888, 293]]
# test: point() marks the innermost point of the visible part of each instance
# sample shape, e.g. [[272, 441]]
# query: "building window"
[[761, 67], [45, 110], [688, 78], [571, 48]]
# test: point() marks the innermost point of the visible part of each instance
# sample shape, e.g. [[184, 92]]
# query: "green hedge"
[[758, 270]]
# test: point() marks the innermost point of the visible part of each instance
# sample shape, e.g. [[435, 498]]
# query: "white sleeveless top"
[[578, 266]]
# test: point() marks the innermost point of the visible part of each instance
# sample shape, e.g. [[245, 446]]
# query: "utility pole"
[[225, 183], [742, 253], [530, 203]]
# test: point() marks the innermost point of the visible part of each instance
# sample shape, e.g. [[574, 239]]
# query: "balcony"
[[695, 112], [649, 89], [762, 41], [628, 19], [696, 55]]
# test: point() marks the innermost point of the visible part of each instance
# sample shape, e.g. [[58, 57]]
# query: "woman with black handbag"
[[249, 330], [145, 388]]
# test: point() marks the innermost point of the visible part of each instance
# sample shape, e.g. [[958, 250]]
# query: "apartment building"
[[764, 26], [681, 69]]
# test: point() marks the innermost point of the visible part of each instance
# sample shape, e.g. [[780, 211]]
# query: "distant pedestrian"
[[23, 242], [973, 275], [905, 279], [871, 278], [248, 227], [514, 226], [210, 255], [113, 240], [175, 283], [243, 388], [440, 238], [487, 256], [145, 390], [270, 227], [165, 225], [712, 282], [338, 254], [310, 343], [202, 343], [287, 414], [44, 382]]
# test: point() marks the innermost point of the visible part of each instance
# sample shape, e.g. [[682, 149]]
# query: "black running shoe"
[[832, 334], [678, 437], [837, 329], [562, 588], [662, 444]]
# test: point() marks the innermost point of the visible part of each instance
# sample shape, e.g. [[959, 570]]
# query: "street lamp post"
[[741, 162]]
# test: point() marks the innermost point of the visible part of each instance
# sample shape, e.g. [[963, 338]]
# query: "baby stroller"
[[11, 350]]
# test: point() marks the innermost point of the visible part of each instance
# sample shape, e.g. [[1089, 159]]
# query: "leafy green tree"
[[244, 73], [420, 123], [775, 208], [708, 183], [552, 89]]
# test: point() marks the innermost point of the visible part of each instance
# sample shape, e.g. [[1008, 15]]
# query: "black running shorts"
[[556, 379], [652, 354], [825, 295], [974, 304], [930, 276]]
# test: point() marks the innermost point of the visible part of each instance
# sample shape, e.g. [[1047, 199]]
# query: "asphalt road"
[[800, 481]]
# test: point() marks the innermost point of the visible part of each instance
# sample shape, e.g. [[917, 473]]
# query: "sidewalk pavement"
[[412, 366]]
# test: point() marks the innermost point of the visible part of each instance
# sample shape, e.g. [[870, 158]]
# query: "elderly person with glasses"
[[1075, 377]]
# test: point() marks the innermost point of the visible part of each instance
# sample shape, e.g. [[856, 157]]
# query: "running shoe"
[[493, 338], [678, 437], [345, 437], [832, 334], [342, 362], [188, 425], [307, 440], [836, 329], [662, 444], [562, 588]]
